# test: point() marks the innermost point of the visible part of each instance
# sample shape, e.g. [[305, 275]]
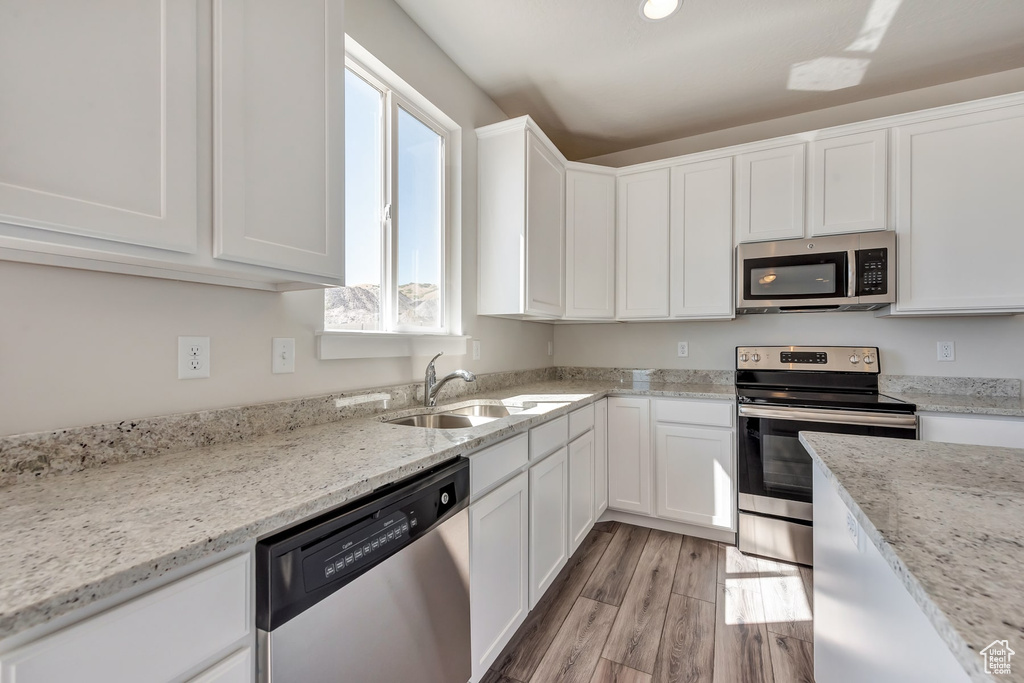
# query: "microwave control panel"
[[872, 272]]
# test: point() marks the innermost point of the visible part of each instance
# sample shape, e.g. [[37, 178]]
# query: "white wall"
[[966, 90], [78, 347], [985, 346]]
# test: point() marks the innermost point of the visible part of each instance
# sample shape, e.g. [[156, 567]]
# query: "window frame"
[[393, 100]]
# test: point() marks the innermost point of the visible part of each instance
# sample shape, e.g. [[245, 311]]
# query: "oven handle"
[[844, 417]]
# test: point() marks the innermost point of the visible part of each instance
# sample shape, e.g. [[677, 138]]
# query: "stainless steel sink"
[[485, 410], [442, 421]]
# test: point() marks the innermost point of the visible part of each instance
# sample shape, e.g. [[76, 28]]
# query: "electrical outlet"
[[193, 357], [683, 350], [283, 360], [946, 351], [476, 349], [853, 529], [551, 348]]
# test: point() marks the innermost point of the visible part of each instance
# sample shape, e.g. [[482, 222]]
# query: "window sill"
[[343, 344]]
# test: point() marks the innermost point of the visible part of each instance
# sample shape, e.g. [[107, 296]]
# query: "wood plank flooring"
[[636, 605]]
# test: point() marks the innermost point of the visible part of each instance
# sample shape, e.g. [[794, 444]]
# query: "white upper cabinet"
[[279, 143], [960, 212], [701, 240], [770, 194], [589, 244], [98, 122], [521, 191], [848, 183], [643, 245], [106, 152]]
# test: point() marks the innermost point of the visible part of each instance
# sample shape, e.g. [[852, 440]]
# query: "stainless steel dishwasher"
[[377, 590]]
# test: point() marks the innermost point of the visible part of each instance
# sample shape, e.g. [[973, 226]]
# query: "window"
[[395, 213]]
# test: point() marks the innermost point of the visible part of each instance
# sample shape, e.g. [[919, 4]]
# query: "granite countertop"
[[949, 520], [71, 540]]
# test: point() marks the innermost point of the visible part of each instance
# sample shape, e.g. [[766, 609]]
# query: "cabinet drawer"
[[711, 413], [580, 421], [155, 637], [492, 464], [548, 437]]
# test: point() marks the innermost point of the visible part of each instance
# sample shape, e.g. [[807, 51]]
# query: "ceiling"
[[598, 78]]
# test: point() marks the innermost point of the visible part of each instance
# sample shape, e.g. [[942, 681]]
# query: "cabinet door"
[[589, 245], [629, 455], [701, 236], [238, 668], [694, 474], [770, 194], [98, 123], [498, 551], [848, 183], [600, 457], [581, 489], [960, 209], [279, 143], [980, 430], [549, 518], [642, 260], [545, 230]]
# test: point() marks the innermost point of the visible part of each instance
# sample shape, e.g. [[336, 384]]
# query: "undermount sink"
[[458, 418]]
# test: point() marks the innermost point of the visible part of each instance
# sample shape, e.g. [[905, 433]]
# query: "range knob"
[[744, 358], [868, 360], [854, 359], [755, 357]]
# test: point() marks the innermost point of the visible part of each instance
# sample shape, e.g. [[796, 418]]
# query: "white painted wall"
[[78, 347], [966, 90], [985, 346]]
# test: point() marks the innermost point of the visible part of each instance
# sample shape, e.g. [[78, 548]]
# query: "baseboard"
[[720, 535]]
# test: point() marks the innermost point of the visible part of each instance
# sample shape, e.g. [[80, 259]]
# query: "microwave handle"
[[851, 273]]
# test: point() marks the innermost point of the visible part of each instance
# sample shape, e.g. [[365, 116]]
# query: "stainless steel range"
[[781, 391]]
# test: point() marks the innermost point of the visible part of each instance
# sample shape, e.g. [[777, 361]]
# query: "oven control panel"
[[862, 359]]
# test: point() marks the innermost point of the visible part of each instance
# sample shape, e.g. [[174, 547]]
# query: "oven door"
[[774, 468]]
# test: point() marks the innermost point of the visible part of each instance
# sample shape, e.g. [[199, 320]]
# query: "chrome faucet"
[[431, 385]]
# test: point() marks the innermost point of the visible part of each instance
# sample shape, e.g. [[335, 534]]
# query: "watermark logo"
[[997, 657]]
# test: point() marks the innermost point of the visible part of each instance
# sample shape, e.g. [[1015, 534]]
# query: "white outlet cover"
[[476, 349], [683, 349], [946, 351], [193, 357], [283, 360], [551, 348]]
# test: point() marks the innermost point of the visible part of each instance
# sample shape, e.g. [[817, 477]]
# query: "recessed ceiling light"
[[655, 10]]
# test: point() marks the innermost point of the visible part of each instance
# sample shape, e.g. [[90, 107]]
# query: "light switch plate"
[[193, 357], [284, 355]]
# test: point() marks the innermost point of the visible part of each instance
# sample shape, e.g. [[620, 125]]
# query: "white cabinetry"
[[600, 457], [959, 213], [498, 560], [642, 245], [106, 158], [279, 143], [770, 194], [629, 455], [981, 430], [581, 475], [549, 496], [521, 187], [589, 244], [867, 627], [701, 240], [848, 183], [162, 635]]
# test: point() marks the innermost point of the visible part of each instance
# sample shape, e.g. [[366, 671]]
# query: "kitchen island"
[[918, 555]]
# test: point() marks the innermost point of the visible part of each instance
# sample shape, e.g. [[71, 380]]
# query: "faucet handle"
[[435, 358]]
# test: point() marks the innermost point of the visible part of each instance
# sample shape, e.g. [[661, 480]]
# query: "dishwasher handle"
[[299, 567]]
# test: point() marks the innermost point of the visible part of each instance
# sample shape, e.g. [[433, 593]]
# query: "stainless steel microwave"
[[836, 273]]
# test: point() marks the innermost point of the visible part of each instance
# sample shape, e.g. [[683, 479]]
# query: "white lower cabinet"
[[867, 627], [549, 502], [629, 455], [600, 457], [581, 489], [498, 569], [694, 475], [162, 635], [980, 430]]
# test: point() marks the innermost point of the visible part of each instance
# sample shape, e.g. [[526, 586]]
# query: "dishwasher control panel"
[[358, 549]]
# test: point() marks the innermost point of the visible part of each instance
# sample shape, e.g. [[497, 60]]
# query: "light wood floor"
[[636, 605]]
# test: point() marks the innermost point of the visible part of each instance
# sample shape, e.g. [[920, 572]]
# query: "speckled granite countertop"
[[78, 538], [949, 520]]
